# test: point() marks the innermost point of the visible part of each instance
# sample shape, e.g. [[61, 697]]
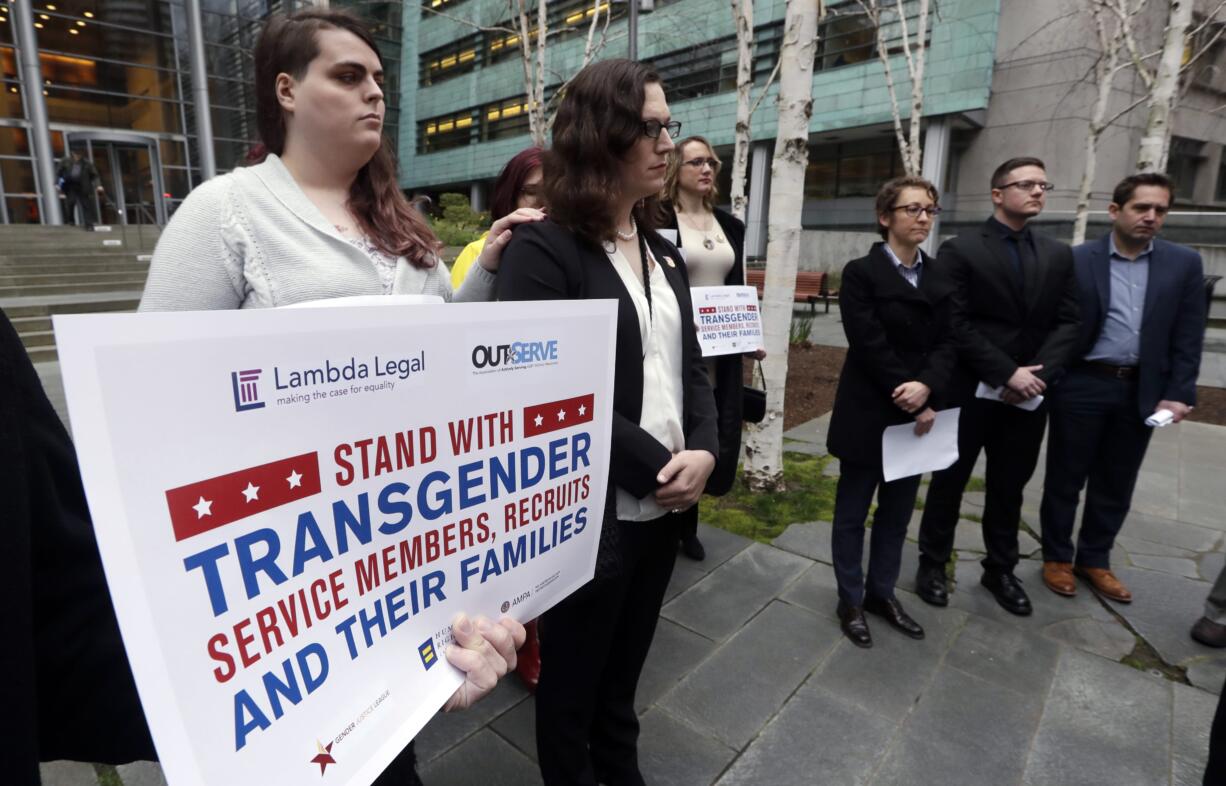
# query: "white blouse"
[[708, 267], [660, 332]]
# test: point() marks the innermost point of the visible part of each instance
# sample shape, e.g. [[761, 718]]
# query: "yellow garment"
[[459, 268]]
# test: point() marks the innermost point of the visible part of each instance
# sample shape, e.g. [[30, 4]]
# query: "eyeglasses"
[[697, 163], [914, 210], [652, 128], [1027, 185]]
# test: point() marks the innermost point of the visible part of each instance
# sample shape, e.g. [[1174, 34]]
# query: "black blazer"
[[895, 333], [545, 261], [1002, 322], [68, 691], [1172, 320], [729, 371]]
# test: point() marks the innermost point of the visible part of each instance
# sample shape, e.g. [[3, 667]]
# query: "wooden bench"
[[810, 287]]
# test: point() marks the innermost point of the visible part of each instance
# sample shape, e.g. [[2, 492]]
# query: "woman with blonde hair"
[[713, 242]]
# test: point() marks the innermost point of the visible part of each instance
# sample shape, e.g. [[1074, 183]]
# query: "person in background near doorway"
[[1016, 324], [897, 313], [713, 243], [518, 186], [77, 178], [1142, 329]]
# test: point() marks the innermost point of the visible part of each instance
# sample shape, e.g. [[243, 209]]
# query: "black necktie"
[[1025, 259]]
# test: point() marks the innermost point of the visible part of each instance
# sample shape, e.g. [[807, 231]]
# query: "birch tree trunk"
[[764, 443], [1156, 141], [742, 15], [909, 147], [1109, 43]]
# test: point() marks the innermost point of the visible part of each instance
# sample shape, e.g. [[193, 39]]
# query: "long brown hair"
[[288, 44], [599, 120], [672, 181]]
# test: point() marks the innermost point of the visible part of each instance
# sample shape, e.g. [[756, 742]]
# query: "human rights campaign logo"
[[246, 390], [426, 650]]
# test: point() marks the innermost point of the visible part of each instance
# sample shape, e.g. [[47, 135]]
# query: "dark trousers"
[[593, 645], [895, 501], [1215, 768], [1011, 438], [1097, 441], [77, 199]]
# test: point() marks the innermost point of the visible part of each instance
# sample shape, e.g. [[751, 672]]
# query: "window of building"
[[1184, 161], [504, 119], [846, 40], [449, 131], [458, 57], [851, 169], [1220, 193]]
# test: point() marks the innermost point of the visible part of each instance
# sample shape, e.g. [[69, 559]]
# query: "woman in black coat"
[[714, 243], [896, 311], [611, 140]]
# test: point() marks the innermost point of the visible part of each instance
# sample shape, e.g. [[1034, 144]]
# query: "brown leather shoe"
[[1105, 583], [1058, 576]]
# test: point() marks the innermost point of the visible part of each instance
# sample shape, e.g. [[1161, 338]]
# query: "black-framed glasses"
[[652, 128], [697, 163], [1027, 185], [914, 210]]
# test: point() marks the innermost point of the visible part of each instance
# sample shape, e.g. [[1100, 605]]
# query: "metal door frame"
[[124, 138]]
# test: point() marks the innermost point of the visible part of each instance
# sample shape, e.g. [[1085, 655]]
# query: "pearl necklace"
[[634, 230]]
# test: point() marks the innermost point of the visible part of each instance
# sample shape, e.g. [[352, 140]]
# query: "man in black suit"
[[1139, 349], [1016, 322]]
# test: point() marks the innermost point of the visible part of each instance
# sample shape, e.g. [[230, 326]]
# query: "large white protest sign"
[[292, 505], [728, 319]]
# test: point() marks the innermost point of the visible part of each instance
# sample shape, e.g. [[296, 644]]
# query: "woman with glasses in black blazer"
[[611, 140]]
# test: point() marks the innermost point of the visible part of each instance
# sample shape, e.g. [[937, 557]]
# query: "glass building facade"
[[116, 79]]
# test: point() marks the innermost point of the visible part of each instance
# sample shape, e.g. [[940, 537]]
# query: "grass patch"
[[976, 484], [764, 516], [107, 775]]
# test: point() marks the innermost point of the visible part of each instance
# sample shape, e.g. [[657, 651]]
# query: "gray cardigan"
[[252, 239]]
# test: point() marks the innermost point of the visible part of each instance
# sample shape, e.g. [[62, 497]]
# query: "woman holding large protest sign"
[[611, 140], [322, 216]]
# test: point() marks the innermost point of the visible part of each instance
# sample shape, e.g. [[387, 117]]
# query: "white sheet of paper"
[[994, 394], [728, 320], [371, 300], [903, 454]]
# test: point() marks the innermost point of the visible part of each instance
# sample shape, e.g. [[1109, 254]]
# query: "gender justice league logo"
[[324, 757]]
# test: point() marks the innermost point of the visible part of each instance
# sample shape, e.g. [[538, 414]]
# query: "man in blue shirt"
[[1143, 324]]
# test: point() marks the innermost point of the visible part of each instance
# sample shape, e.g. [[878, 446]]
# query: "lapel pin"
[[669, 261]]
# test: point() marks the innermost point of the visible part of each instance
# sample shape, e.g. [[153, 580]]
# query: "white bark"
[[1112, 18], [909, 145], [764, 442], [1164, 87], [742, 15]]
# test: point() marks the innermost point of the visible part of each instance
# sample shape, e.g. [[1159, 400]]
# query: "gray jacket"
[[252, 239]]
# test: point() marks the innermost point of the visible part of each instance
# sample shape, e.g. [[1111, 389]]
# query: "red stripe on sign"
[[225, 499], [556, 415], [706, 309]]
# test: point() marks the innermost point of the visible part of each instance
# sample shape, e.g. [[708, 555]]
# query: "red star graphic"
[[324, 758]]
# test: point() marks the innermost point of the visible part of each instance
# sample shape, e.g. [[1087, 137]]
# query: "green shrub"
[[459, 224]]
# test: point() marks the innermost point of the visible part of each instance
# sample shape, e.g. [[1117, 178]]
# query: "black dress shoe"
[[1209, 633], [691, 547], [892, 611], [931, 586], [855, 627], [1008, 591]]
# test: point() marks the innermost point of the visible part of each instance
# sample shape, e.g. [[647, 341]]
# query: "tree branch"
[[467, 22]]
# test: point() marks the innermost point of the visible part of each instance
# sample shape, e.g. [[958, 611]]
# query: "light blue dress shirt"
[[1120, 340], [912, 273]]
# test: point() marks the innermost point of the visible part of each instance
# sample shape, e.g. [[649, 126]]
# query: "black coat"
[[1003, 322], [68, 691], [896, 333], [545, 261], [729, 369]]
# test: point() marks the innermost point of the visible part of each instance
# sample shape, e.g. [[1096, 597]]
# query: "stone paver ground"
[[750, 680]]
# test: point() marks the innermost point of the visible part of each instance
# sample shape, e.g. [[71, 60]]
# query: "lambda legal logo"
[[246, 392], [426, 650]]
